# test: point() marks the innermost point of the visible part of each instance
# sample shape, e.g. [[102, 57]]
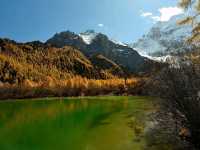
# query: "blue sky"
[[124, 20]]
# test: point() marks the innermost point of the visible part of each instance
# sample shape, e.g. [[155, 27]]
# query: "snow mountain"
[[91, 44], [165, 38]]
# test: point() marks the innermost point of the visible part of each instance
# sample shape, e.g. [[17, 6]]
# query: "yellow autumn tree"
[[193, 19]]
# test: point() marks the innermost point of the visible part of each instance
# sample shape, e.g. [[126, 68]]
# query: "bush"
[[179, 88]]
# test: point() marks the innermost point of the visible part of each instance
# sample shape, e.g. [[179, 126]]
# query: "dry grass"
[[76, 86]]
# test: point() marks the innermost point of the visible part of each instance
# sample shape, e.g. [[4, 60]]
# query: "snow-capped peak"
[[88, 36]]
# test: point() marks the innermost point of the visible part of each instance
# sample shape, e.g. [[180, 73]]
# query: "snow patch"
[[88, 36], [118, 42]]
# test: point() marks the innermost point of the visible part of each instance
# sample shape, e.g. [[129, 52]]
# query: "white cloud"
[[100, 25], [146, 14], [166, 13]]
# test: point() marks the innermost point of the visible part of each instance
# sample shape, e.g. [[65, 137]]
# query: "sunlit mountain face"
[[165, 38]]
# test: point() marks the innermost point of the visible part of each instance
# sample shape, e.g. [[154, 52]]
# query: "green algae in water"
[[104, 123]]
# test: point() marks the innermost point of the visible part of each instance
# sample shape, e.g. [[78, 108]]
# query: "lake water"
[[104, 123]]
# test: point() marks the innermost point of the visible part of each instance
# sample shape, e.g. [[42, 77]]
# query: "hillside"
[[35, 61]]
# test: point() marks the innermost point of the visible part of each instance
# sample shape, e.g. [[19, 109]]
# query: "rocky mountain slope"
[[91, 43]]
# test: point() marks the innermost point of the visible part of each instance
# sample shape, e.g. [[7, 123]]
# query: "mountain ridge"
[[99, 43]]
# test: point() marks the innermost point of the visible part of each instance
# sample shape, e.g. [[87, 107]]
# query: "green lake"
[[99, 123]]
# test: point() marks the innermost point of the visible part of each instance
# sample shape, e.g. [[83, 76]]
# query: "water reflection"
[[77, 124]]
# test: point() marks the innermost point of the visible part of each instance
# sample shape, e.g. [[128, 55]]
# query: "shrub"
[[179, 88]]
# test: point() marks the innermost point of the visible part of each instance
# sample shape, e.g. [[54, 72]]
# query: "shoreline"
[[72, 97]]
